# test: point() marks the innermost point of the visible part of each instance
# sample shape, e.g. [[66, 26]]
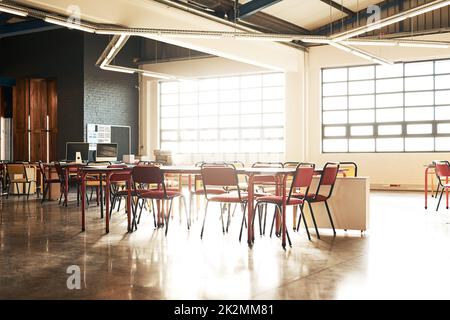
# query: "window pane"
[[273, 133], [362, 145], [273, 80], [251, 134], [390, 144], [169, 99], [419, 83], [253, 120], [208, 96], [334, 103], [188, 123], [169, 135], [361, 116], [419, 129], [360, 73], [418, 68], [335, 145], [361, 87], [361, 130], [332, 75], [188, 135], [443, 128], [419, 144], [390, 115], [208, 84], [229, 134], [335, 131], [442, 82], [207, 122], [169, 87], [229, 108], [271, 146], [419, 114], [252, 94], [272, 106], [251, 107], [390, 85], [392, 71], [229, 83], [169, 112], [419, 98], [389, 100], [334, 117], [359, 102], [272, 93], [169, 123], [251, 81], [442, 97], [443, 144], [229, 96], [208, 134], [334, 89], [208, 109], [271, 120], [188, 111], [442, 66], [443, 113], [189, 98], [389, 130]]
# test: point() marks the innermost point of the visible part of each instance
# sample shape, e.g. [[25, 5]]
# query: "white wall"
[[383, 168]]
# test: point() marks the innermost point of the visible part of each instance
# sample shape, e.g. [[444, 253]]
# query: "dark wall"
[[52, 54], [111, 97]]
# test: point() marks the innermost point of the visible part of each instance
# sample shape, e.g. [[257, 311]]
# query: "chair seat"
[[311, 197], [279, 200], [52, 181], [23, 180], [229, 197], [158, 194], [95, 183]]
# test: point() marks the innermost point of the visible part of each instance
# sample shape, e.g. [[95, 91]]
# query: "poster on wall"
[[97, 133]]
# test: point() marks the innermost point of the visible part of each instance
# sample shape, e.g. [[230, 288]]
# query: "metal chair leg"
[[168, 217], [314, 220], [302, 214], [188, 220], [204, 219], [243, 221], [331, 219], [440, 198]]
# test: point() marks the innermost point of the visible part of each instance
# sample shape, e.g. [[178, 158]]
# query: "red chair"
[[117, 185], [326, 182], [222, 175], [442, 169], [302, 180], [47, 181], [152, 175]]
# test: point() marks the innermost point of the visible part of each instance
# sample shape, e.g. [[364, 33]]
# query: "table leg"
[[66, 190], [108, 176], [129, 203], [283, 216], [100, 177], [250, 236], [426, 188], [446, 191], [83, 202]]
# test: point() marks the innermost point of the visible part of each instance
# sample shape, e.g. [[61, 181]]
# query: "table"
[[107, 172]]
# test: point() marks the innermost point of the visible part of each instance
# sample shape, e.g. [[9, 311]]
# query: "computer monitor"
[[73, 147], [106, 152]]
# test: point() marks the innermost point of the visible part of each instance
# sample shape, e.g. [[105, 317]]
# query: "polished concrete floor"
[[405, 254]]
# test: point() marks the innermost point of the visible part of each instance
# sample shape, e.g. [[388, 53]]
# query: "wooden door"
[[35, 120]]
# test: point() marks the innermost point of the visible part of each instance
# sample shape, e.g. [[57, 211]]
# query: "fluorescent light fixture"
[[122, 39], [315, 40], [17, 12], [393, 19], [400, 43], [118, 69], [69, 25], [360, 53], [385, 43]]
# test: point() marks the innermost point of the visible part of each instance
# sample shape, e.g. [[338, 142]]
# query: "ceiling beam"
[[254, 6], [339, 7], [32, 26], [4, 17]]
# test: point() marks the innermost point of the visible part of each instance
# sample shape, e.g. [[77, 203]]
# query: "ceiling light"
[[118, 69], [69, 25], [370, 43], [360, 53], [17, 12], [157, 75], [393, 19]]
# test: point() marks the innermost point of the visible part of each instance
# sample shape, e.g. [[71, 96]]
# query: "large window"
[[400, 108], [223, 117]]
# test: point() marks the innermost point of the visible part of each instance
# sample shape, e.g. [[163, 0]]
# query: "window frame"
[[375, 125]]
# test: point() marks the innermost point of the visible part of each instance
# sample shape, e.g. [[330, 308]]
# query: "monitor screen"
[[106, 150], [73, 147]]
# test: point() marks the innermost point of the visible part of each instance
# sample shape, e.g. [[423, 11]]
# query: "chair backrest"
[[302, 179], [42, 170], [291, 164], [148, 174], [122, 175], [16, 168], [266, 179], [442, 169], [219, 175], [59, 171], [348, 168], [328, 177]]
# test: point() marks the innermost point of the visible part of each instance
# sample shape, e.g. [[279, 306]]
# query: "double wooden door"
[[35, 120]]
